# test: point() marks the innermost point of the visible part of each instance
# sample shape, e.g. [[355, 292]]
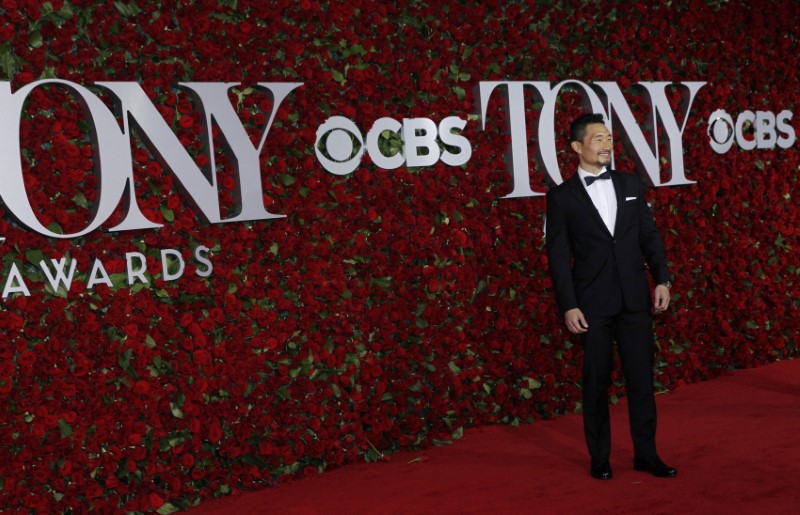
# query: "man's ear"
[[577, 146]]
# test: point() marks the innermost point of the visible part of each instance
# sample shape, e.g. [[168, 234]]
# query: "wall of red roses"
[[389, 309]]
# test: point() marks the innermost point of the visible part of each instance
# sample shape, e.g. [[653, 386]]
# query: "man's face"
[[595, 149]]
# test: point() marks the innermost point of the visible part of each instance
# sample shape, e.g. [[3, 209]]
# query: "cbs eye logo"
[[762, 129], [416, 142]]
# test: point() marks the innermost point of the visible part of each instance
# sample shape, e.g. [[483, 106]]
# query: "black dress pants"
[[633, 333]]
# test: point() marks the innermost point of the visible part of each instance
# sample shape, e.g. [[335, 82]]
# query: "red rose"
[[201, 357], [141, 387], [155, 500], [187, 460], [26, 360]]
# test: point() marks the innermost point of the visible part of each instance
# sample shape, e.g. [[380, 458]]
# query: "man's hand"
[[575, 321], [661, 298]]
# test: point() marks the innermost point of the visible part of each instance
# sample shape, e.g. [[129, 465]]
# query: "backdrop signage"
[[769, 130], [340, 144], [113, 160]]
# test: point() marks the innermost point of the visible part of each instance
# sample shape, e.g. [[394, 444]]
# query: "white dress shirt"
[[603, 197]]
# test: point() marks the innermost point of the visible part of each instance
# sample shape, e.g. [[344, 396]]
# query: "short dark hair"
[[577, 131]]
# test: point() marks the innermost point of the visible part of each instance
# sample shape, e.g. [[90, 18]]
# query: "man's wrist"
[[667, 285]]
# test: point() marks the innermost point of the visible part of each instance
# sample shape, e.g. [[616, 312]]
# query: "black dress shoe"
[[602, 470], [655, 466]]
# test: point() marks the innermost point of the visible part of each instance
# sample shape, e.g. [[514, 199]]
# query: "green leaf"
[[124, 358], [66, 11], [338, 77], [167, 508], [383, 282], [46, 9], [9, 62], [124, 9], [176, 411], [169, 216], [64, 427], [534, 384], [80, 200], [336, 391], [35, 39], [454, 368], [34, 256]]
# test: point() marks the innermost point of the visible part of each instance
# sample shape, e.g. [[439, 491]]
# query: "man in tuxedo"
[[600, 233]]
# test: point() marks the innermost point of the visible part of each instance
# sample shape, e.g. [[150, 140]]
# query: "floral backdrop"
[[389, 309]]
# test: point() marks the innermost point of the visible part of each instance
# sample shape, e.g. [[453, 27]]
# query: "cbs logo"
[[415, 142], [767, 129]]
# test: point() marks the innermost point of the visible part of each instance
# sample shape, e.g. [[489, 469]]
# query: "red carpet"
[[735, 441]]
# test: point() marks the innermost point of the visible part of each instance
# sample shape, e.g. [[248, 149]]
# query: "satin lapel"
[[621, 204], [583, 197]]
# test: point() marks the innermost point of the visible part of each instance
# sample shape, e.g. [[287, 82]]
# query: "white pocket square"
[[628, 199]]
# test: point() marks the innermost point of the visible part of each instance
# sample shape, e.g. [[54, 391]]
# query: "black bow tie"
[[590, 179]]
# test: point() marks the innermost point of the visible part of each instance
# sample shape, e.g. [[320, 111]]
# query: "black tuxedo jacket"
[[592, 269]]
